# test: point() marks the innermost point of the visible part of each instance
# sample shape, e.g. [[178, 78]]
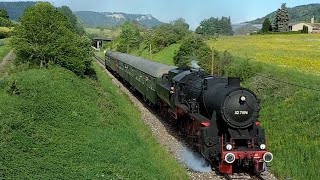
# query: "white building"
[[312, 27]]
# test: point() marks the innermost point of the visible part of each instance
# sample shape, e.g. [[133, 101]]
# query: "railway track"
[[243, 176], [98, 59]]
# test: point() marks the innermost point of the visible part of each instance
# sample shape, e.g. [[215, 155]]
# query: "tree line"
[[193, 46]]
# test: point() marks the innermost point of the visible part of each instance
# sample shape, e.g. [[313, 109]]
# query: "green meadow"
[[56, 125]]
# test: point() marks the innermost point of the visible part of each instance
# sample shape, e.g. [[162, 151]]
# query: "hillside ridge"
[[94, 19], [301, 13]]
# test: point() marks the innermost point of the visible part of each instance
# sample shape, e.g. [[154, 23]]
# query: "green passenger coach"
[[142, 74]]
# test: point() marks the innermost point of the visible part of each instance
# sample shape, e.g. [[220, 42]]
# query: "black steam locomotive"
[[218, 116]]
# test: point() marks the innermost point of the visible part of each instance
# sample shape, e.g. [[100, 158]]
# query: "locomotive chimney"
[[233, 81]]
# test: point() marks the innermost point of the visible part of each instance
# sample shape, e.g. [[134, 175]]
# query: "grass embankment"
[[100, 54], [55, 125], [289, 114], [165, 56], [296, 51], [4, 48]]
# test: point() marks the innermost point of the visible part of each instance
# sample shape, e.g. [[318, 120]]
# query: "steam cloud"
[[194, 161], [194, 64]]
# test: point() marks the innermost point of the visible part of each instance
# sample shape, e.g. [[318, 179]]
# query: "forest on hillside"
[[301, 13]]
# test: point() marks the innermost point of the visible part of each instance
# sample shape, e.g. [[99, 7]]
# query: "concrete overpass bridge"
[[97, 42]]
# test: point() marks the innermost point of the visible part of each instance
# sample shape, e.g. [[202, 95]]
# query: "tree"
[[181, 27], [226, 28], [4, 14], [215, 26], [193, 48], [209, 27], [45, 36], [167, 34], [305, 29], [72, 19], [266, 26], [129, 38], [4, 19], [281, 22]]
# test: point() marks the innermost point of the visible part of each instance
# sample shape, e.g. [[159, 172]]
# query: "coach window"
[[129, 71], [154, 84], [147, 80], [141, 79], [136, 74]]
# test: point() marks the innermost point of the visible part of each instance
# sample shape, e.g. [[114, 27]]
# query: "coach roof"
[[152, 68]]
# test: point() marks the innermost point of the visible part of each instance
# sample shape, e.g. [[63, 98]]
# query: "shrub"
[[46, 35], [193, 48], [243, 69], [305, 30], [5, 34]]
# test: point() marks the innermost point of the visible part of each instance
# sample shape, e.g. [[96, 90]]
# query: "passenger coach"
[[142, 74]]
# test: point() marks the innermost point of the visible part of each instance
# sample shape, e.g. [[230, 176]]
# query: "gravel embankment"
[[166, 136]]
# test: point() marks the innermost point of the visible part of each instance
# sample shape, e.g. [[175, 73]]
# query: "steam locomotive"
[[218, 117]]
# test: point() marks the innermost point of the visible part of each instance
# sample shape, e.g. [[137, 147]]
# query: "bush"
[[45, 36], [223, 61], [5, 34], [305, 30], [243, 69], [193, 48]]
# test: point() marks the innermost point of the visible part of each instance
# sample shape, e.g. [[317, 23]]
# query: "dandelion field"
[[296, 51]]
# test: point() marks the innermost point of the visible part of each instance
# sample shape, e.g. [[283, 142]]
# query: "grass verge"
[[290, 114], [165, 56], [55, 125]]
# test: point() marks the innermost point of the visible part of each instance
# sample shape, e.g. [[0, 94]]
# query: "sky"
[[193, 11]]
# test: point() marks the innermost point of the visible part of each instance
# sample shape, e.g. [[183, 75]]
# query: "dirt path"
[[6, 62]]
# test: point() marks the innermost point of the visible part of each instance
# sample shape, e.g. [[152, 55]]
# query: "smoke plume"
[[194, 160], [194, 64]]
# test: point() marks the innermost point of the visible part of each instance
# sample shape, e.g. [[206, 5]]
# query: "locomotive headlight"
[[262, 146], [230, 158], [243, 98], [228, 147], [268, 157]]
